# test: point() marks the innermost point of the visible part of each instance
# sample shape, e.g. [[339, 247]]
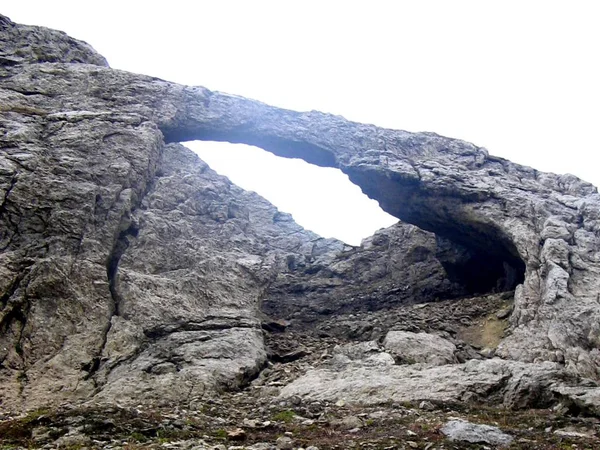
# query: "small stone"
[[572, 432], [504, 313], [461, 430], [348, 422], [284, 443], [340, 403], [236, 435], [250, 423], [412, 444], [41, 435], [427, 406]]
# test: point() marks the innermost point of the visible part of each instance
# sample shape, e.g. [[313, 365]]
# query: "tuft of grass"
[[286, 416], [34, 415], [220, 433], [139, 437], [485, 333]]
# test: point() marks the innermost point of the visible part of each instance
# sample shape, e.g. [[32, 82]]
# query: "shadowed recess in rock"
[[479, 272], [483, 258]]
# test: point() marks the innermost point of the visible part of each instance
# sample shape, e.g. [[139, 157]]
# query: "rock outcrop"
[[130, 272], [123, 259]]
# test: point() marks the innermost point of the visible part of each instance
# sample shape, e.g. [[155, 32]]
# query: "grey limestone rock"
[[401, 264], [131, 272], [513, 384], [426, 348], [30, 44], [461, 430]]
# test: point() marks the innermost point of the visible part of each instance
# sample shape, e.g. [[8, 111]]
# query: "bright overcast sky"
[[520, 78]]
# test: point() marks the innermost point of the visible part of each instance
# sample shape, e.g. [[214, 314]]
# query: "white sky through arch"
[[321, 199], [517, 77]]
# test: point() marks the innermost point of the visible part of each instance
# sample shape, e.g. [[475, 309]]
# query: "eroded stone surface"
[[124, 260], [427, 348], [398, 265], [463, 431], [370, 382], [21, 44]]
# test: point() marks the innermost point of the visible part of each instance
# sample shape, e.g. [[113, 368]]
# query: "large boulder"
[[375, 380], [410, 348]]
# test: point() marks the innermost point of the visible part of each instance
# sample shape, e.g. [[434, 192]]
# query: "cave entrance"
[[479, 272]]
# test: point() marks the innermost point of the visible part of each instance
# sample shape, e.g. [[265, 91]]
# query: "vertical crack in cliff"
[[12, 184], [17, 312], [128, 229], [4, 232], [112, 266]]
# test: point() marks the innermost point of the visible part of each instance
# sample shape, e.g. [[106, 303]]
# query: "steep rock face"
[[117, 276], [69, 185], [398, 265], [109, 269], [197, 260], [122, 260], [20, 44]]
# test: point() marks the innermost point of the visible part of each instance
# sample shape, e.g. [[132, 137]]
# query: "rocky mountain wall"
[[131, 272], [542, 227], [128, 268]]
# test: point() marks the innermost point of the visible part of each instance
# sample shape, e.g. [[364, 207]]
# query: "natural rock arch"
[[544, 224], [84, 164]]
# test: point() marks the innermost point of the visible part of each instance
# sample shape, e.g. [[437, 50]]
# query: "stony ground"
[[255, 418]]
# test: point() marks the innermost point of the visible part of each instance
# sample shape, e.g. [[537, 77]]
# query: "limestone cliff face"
[[127, 265], [399, 265], [129, 270]]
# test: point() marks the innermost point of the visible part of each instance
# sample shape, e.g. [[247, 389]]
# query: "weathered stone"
[[461, 430], [412, 348], [285, 443], [511, 383], [580, 399], [348, 422], [129, 269], [236, 434], [131, 272], [397, 265], [21, 44]]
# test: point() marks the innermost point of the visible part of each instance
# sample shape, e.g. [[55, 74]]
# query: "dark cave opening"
[[484, 273], [480, 271]]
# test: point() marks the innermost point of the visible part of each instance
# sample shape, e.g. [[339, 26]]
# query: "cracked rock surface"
[[131, 273]]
